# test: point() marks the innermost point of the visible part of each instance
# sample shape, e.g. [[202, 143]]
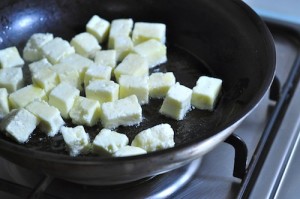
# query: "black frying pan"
[[224, 39]]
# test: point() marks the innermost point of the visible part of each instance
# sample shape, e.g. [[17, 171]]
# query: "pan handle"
[[39, 190]]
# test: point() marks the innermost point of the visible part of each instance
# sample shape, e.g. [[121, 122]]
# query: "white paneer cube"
[[144, 31], [177, 102], [108, 141], [78, 63], [159, 84], [123, 46], [10, 57], [46, 79], [97, 72], [11, 79], [206, 92], [119, 27], [26, 95], [154, 51], [19, 124], [4, 107], [57, 49], [32, 50], [102, 91], [129, 151], [134, 65], [98, 27], [85, 111], [49, 116], [135, 85], [34, 67], [125, 112], [63, 97], [76, 139], [106, 58], [85, 44], [156, 138]]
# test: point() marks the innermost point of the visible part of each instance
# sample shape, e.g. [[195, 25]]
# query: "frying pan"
[[224, 39]]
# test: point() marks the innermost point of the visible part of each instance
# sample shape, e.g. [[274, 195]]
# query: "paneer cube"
[[129, 151], [135, 85], [108, 141], [144, 31], [134, 65], [32, 50], [102, 91], [49, 116], [206, 92], [10, 57], [159, 84], [34, 67], [154, 51], [57, 49], [106, 58], [46, 79], [85, 44], [98, 27], [156, 138], [63, 97], [26, 95], [119, 27], [76, 139], [4, 106], [19, 124], [11, 79], [85, 111], [97, 72], [123, 46], [125, 112], [177, 102]]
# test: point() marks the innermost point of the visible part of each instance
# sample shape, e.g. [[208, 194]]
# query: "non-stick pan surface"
[[224, 39]]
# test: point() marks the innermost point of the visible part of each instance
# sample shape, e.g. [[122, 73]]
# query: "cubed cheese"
[[11, 79], [123, 46], [45, 79], [85, 44], [108, 141], [49, 116], [10, 57], [154, 51], [34, 67], [125, 112], [156, 138], [32, 50], [25, 95], [119, 27], [177, 102], [134, 65], [135, 85], [76, 139], [206, 92], [144, 31], [159, 84], [57, 49], [98, 27], [106, 58], [78, 63], [102, 91], [4, 107], [19, 124], [85, 111], [63, 97], [97, 72], [129, 151]]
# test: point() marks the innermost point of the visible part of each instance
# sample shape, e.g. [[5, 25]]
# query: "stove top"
[[270, 134]]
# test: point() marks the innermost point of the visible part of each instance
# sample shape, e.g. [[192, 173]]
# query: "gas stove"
[[258, 161]]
